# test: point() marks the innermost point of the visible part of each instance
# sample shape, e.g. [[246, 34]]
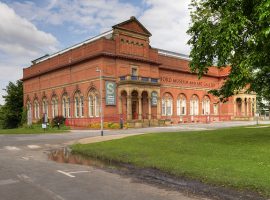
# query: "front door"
[[134, 110]]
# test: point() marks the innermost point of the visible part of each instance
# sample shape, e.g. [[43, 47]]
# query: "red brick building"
[[140, 84]]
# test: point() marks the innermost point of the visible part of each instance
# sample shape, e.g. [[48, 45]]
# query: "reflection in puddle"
[[64, 155]]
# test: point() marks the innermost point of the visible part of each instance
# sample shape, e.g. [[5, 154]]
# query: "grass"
[[35, 129], [235, 157]]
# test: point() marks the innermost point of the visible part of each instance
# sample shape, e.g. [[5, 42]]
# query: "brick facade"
[[125, 57]]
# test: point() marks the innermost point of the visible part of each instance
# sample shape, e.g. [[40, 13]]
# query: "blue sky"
[[30, 29]]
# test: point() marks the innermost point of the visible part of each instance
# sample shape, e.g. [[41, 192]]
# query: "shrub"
[[58, 119], [106, 125]]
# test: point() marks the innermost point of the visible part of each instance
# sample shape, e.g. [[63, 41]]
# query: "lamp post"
[[100, 107]]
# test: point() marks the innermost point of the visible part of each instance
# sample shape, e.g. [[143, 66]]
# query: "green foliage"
[[24, 116], [11, 112], [1, 117], [234, 33], [58, 119], [236, 157]]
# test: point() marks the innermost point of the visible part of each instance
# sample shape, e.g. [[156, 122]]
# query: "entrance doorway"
[[134, 106]]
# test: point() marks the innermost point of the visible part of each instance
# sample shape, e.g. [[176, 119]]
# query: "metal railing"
[[139, 78]]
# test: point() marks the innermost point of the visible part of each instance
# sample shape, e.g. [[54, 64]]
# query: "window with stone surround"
[[206, 106], [29, 111], [194, 105], [79, 105], [181, 105], [167, 105], [66, 106], [215, 109], [45, 109], [93, 104], [54, 107], [134, 71], [36, 109]]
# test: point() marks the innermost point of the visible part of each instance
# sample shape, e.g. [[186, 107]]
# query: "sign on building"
[[154, 98], [110, 93]]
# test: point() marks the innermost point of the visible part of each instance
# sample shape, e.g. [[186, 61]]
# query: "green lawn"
[[237, 157], [33, 130]]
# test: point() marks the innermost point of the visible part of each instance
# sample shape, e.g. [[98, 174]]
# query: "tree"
[[233, 33], [1, 116], [11, 111]]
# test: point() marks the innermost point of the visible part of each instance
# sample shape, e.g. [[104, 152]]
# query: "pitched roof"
[[133, 25]]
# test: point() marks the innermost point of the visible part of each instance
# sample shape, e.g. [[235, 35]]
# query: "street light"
[[100, 107]]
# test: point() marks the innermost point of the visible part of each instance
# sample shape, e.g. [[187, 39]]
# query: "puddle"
[[64, 155], [156, 177]]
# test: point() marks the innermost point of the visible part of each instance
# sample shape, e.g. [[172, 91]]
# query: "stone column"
[[149, 108], [255, 106], [158, 107], [248, 105], [235, 108], [120, 108], [129, 112], [140, 107], [242, 107]]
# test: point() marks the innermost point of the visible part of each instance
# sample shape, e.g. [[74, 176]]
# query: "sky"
[[31, 29]]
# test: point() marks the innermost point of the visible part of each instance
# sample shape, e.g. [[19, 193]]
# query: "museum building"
[[121, 73]]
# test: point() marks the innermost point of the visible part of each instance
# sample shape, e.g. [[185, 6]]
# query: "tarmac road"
[[27, 174]]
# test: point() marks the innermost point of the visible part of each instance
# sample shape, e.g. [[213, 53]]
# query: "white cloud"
[[20, 42], [21, 37], [87, 15], [168, 22]]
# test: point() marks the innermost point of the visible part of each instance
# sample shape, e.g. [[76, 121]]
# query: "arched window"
[[54, 107], [93, 104], [206, 106], [45, 109], [215, 109], [29, 113], [66, 106], [79, 105], [167, 105], [36, 109], [194, 105], [181, 105]]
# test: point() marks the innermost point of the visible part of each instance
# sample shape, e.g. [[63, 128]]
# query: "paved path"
[[111, 135], [27, 174]]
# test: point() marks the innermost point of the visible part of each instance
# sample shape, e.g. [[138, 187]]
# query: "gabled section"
[[133, 25]]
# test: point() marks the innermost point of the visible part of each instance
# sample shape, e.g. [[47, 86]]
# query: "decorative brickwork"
[[151, 84]]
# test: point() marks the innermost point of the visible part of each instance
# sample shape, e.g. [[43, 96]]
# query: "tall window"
[[181, 105], [36, 109], [79, 105], [206, 106], [167, 105], [194, 105], [66, 106], [54, 107], [29, 112], [93, 105], [134, 71], [45, 109], [97, 107], [216, 109]]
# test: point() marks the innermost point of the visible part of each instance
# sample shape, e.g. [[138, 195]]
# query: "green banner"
[[110, 93]]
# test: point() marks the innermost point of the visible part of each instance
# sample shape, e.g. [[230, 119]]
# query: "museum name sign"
[[176, 81]]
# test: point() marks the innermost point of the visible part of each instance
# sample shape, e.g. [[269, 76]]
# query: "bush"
[[58, 120], [106, 125]]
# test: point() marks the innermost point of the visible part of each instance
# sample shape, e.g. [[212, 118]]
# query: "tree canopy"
[[232, 33], [11, 111]]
